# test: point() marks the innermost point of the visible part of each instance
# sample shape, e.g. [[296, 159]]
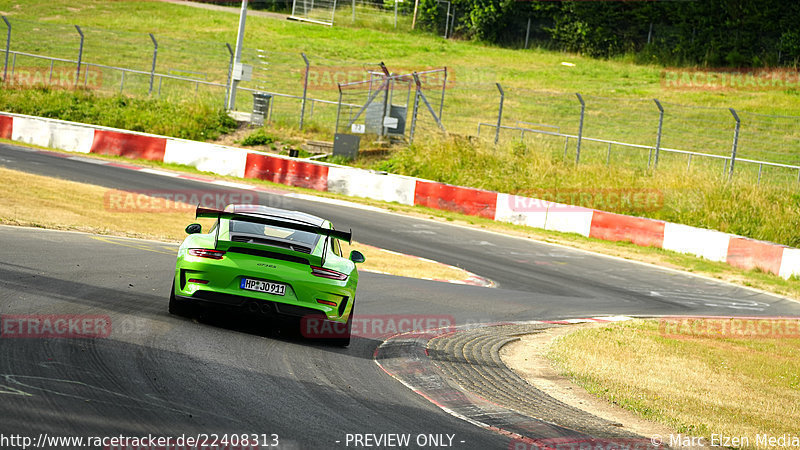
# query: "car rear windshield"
[[303, 238]]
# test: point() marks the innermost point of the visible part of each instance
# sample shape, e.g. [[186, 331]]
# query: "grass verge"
[[187, 119], [698, 385], [38, 201]]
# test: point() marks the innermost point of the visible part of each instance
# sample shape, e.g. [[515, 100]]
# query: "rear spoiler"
[[290, 224]]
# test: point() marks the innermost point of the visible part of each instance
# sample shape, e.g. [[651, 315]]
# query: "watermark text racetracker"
[[50, 326], [61, 77], [186, 200], [376, 325], [730, 327], [543, 200], [745, 79]]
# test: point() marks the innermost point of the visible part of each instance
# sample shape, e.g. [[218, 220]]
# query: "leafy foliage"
[[715, 33]]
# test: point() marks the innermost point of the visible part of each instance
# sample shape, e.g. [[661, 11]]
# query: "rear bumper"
[[252, 305]]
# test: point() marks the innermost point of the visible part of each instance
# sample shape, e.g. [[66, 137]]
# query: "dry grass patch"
[[38, 201], [703, 385]]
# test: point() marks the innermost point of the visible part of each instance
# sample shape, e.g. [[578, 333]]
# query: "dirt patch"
[[526, 358]]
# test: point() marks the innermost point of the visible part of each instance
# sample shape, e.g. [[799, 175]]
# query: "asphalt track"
[[163, 375]]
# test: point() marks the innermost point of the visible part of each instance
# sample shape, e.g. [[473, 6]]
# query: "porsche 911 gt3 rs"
[[268, 261]]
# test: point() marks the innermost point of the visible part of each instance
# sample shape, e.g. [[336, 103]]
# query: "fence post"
[[499, 113], [414, 113], [395, 13], [354, 11], [735, 141], [305, 90], [338, 109], [80, 56], [153, 68], [444, 85], [230, 73], [447, 21], [580, 128], [527, 32], [660, 128], [8, 48]]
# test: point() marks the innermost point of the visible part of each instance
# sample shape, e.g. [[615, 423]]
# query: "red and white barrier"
[[206, 157], [712, 245]]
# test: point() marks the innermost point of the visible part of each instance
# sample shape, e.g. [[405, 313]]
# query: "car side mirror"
[[357, 257], [194, 228]]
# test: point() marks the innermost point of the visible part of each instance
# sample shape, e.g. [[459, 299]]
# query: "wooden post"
[[414, 19]]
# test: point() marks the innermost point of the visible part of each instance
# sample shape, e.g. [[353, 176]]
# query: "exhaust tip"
[[252, 307]]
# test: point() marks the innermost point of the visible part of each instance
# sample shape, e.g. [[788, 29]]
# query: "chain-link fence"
[[329, 96]]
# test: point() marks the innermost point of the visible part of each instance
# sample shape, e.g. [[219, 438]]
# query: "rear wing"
[[278, 222]]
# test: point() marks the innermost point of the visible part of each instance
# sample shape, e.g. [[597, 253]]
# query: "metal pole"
[[414, 114], [735, 141], [153, 69], [447, 21], [580, 128], [338, 109], [444, 85], [660, 128], [122, 83], [527, 32], [230, 73], [8, 47], [566, 144], [689, 162], [395, 13], [760, 166], [80, 56], [237, 55], [499, 113], [305, 90], [354, 11], [608, 154]]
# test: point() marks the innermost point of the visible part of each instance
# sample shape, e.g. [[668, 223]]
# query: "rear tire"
[[178, 307], [345, 341]]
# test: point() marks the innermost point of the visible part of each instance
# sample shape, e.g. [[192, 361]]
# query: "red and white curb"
[[231, 161], [405, 358]]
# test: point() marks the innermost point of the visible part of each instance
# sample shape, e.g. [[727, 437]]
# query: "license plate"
[[263, 286]]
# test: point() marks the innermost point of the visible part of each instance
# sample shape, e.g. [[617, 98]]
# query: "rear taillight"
[[328, 273], [326, 302], [206, 253], [197, 280]]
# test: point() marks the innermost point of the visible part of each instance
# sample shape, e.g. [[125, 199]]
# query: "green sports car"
[[270, 262]]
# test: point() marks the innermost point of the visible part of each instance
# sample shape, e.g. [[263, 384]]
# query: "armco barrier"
[[474, 202], [287, 171], [748, 254], [709, 244], [519, 210], [206, 157], [6, 123], [364, 183], [136, 146], [569, 219], [616, 227]]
